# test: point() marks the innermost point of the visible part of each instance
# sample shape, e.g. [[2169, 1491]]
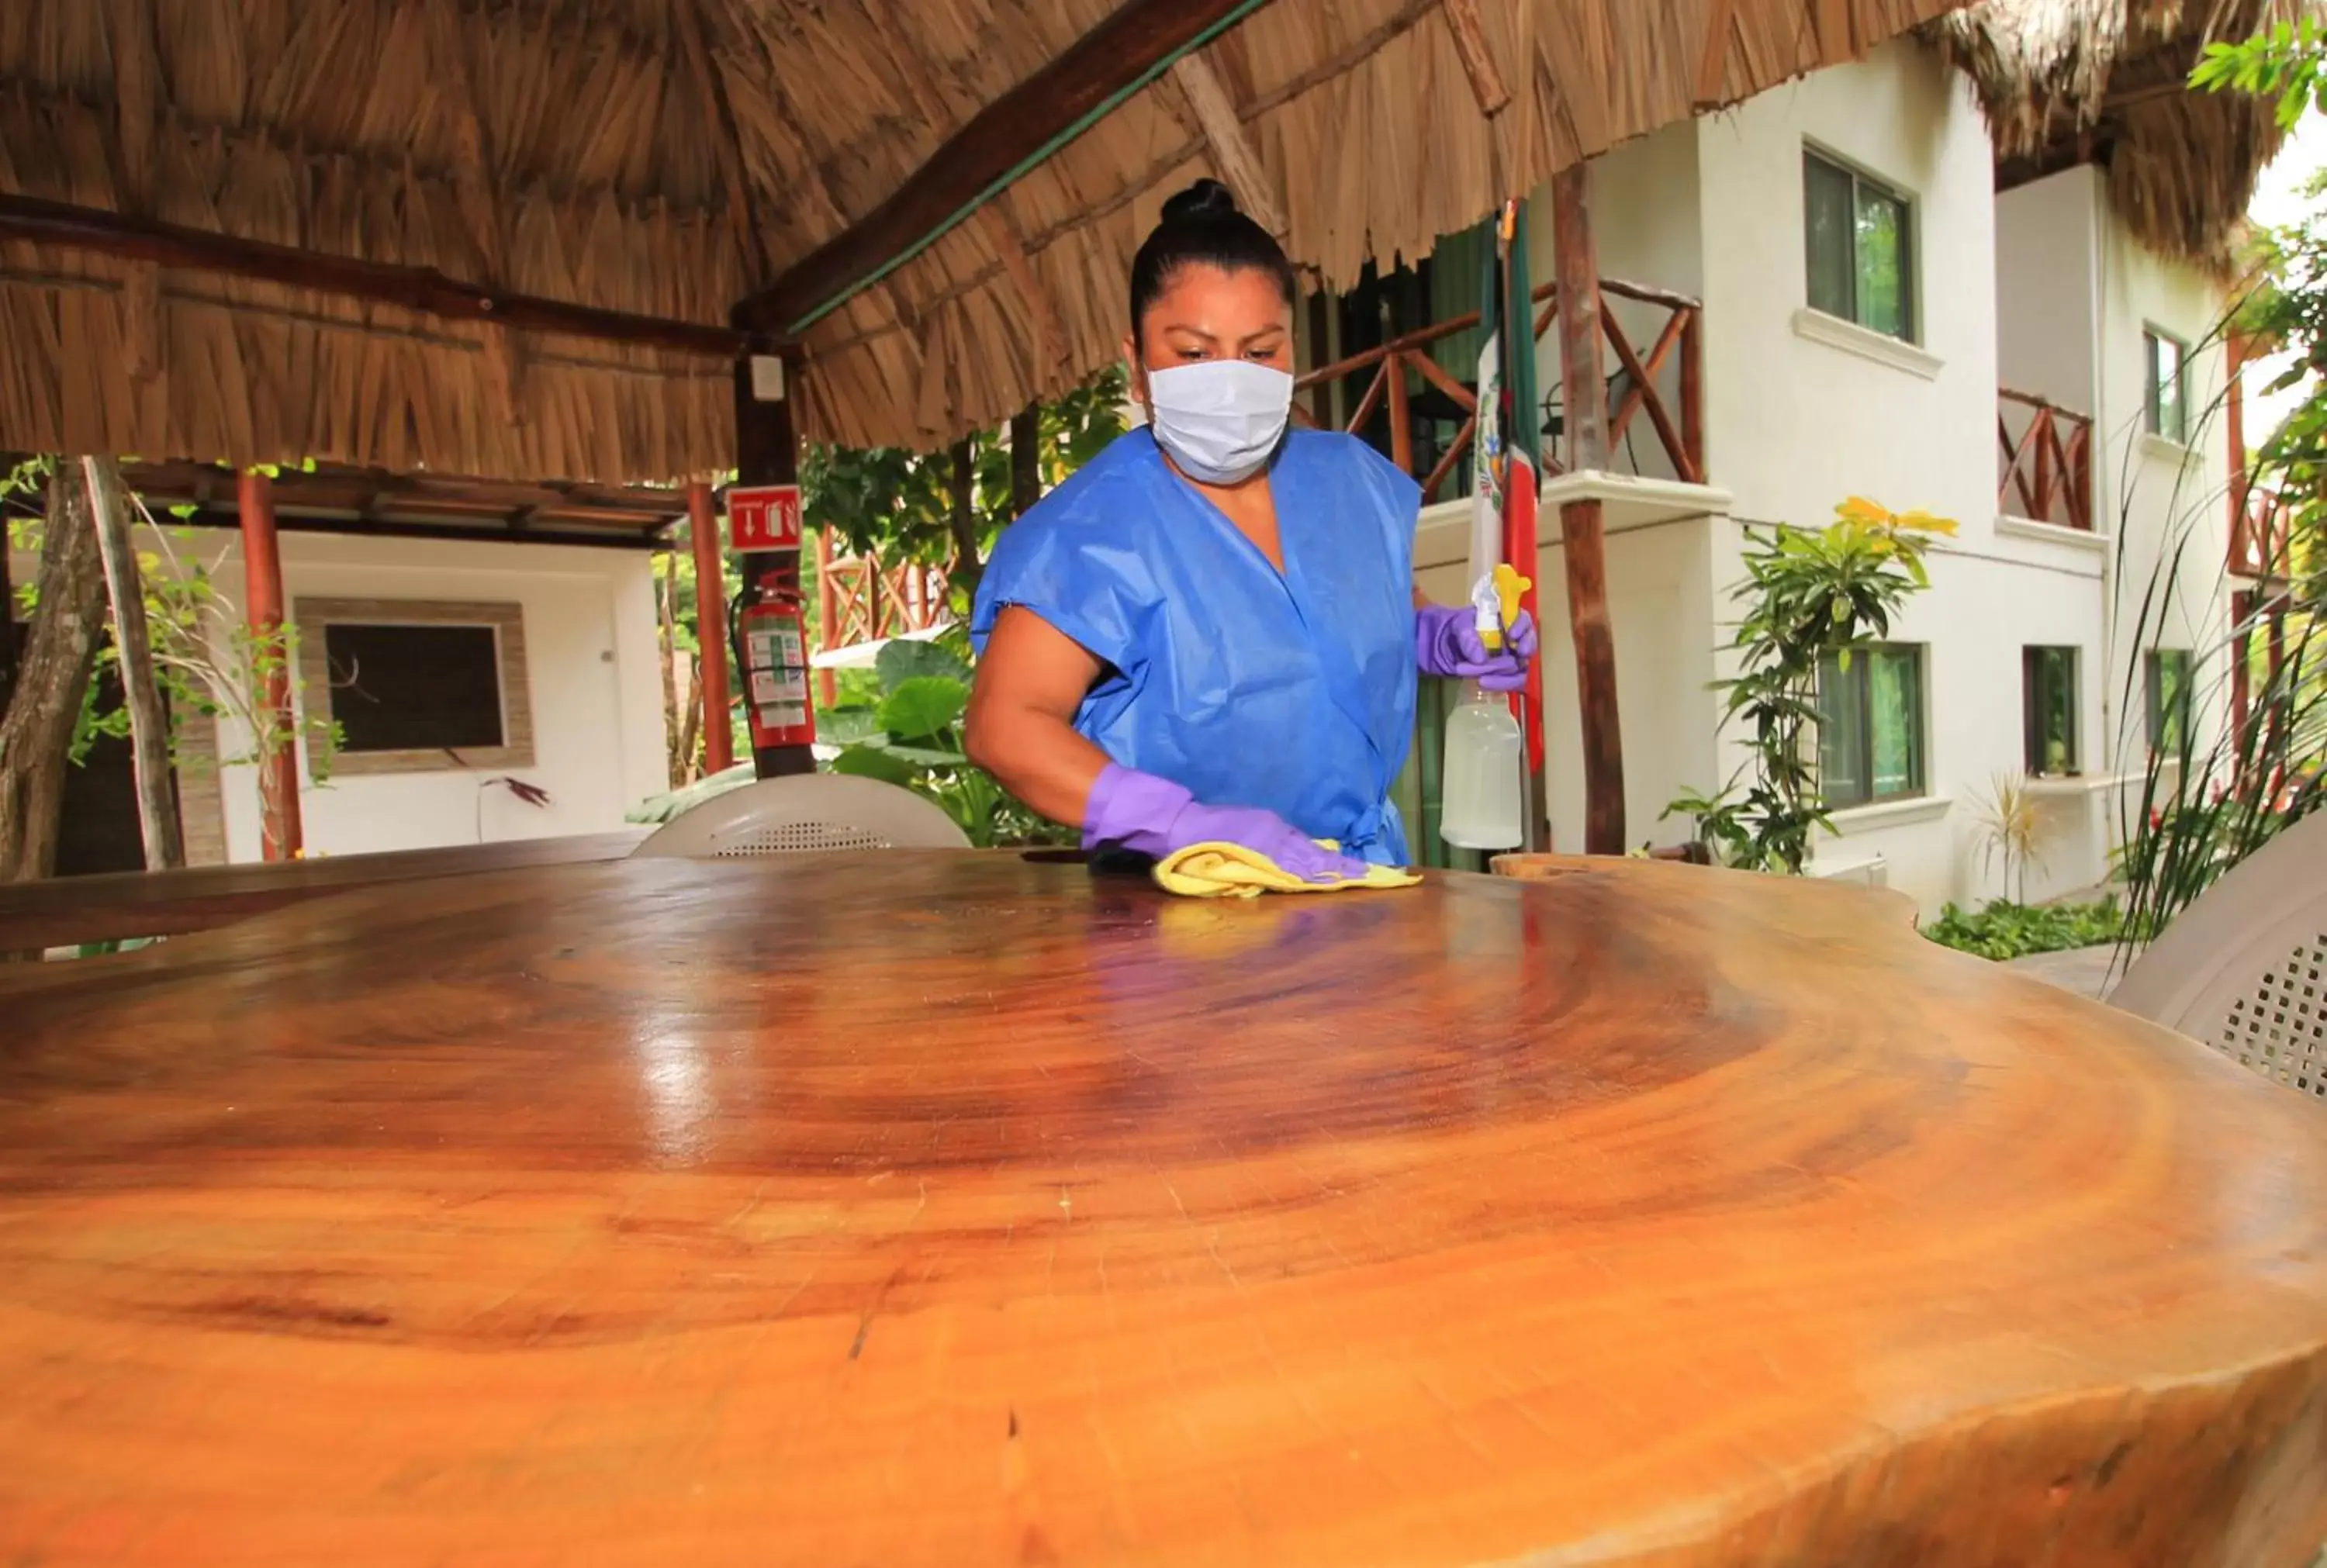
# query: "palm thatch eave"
[[2065, 82], [668, 158]]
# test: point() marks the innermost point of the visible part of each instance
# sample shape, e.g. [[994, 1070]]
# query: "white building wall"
[[2163, 500], [2048, 240], [1797, 424], [1803, 412], [595, 691]]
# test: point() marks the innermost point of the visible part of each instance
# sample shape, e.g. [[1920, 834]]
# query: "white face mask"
[[1219, 419]]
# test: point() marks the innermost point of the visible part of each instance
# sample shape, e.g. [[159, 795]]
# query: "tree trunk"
[[7, 624], [967, 568], [675, 758], [1025, 460], [690, 729], [60, 651], [149, 722]]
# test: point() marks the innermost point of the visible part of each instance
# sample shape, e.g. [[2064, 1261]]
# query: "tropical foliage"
[[910, 736], [2003, 930], [1809, 595], [208, 661], [2251, 758], [905, 506]]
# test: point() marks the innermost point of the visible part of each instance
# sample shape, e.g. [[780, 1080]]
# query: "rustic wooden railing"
[[2046, 462], [859, 599], [2262, 536], [1635, 389]]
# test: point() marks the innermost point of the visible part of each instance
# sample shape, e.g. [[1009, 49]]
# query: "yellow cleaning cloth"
[[1230, 870]]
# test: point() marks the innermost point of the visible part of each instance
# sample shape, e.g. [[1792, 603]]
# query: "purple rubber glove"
[[1155, 817], [1446, 642]]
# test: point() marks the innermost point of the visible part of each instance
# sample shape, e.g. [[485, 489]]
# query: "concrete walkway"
[[2083, 970]]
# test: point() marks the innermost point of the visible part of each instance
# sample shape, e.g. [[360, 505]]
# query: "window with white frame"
[[1871, 741], [417, 685], [2166, 393], [1859, 242]]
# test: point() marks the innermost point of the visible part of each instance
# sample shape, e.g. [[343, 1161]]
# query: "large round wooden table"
[[967, 1209]]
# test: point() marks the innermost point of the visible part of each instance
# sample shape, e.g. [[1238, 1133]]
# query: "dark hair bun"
[[1206, 199], [1202, 225]]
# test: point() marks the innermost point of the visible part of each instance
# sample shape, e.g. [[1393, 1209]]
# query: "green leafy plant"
[[1808, 594], [2288, 62], [899, 504], [912, 737], [208, 661], [2003, 930]]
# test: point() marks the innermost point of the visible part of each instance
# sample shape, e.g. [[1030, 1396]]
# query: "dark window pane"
[[2165, 409], [414, 688], [1895, 702], [1842, 730], [1826, 212], [1885, 300], [2172, 407], [2169, 701], [2049, 684]]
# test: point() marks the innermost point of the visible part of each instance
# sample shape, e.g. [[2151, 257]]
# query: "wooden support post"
[[2234, 424], [1025, 460], [711, 627], [1584, 396], [1692, 392], [767, 452], [827, 615], [1401, 416], [278, 752], [962, 523], [7, 626], [149, 722]]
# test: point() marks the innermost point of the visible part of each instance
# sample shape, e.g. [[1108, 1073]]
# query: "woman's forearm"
[[1038, 757]]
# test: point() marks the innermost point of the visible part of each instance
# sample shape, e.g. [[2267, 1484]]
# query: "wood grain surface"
[[62, 910], [926, 1209]]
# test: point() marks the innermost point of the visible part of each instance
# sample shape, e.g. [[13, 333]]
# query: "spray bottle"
[[1480, 789]]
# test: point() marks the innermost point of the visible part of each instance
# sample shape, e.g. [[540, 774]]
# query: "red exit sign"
[[765, 516]]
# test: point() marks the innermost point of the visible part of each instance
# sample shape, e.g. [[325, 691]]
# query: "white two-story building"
[[1925, 278]]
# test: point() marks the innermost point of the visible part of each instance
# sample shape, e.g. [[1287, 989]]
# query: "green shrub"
[[2001, 930]]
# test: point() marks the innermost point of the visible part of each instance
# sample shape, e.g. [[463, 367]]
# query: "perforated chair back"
[[811, 814], [2244, 969]]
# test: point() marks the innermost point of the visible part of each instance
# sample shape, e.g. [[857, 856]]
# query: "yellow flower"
[[1865, 513], [1923, 522]]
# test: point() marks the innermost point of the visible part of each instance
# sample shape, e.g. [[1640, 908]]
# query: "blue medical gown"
[[1291, 692]]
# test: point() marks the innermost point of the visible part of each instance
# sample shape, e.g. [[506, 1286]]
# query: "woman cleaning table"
[[1210, 634]]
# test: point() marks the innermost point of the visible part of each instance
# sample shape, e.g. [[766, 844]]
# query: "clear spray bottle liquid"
[[1479, 789]]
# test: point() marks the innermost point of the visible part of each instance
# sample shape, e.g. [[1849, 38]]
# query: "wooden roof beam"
[[1115, 58], [1713, 64], [420, 289], [1487, 86], [1232, 152]]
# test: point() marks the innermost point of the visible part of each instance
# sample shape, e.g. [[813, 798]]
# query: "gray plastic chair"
[[809, 814], [2244, 969]]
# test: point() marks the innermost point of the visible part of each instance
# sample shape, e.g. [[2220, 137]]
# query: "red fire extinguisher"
[[772, 636]]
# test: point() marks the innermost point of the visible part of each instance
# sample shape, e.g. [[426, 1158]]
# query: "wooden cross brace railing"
[[2047, 467], [1634, 390]]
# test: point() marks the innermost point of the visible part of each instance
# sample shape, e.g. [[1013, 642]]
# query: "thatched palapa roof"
[[668, 159], [2105, 81]]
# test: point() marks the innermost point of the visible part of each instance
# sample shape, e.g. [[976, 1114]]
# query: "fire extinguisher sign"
[[765, 516]]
